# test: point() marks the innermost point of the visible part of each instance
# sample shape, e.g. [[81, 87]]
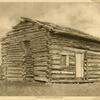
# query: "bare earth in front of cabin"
[[37, 89]]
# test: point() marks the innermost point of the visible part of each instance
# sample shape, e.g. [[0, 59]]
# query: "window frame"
[[66, 65]]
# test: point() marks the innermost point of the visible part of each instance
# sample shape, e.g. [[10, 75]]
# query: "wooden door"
[[79, 65]]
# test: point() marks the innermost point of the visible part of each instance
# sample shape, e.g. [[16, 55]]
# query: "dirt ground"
[[36, 89]]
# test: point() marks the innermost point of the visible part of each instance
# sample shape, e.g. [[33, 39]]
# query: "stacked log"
[[17, 65], [93, 66], [28, 68], [39, 48], [12, 59], [41, 66], [75, 43], [58, 73]]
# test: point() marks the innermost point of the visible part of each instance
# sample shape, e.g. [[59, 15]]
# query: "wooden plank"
[[41, 58], [25, 28], [40, 54], [40, 73], [29, 75], [21, 32], [93, 76], [37, 78], [14, 46], [13, 73], [14, 79], [40, 64], [14, 69], [93, 60], [94, 72], [56, 66], [71, 80], [61, 72], [56, 76], [40, 68], [15, 56], [14, 76], [12, 64], [92, 52], [93, 57], [54, 51], [13, 59], [41, 61], [15, 50], [94, 67], [93, 64], [15, 53], [36, 34], [67, 48], [95, 80]]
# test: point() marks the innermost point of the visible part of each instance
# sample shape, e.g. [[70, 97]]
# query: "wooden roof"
[[58, 29]]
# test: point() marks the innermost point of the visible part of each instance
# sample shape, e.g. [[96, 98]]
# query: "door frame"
[[79, 72]]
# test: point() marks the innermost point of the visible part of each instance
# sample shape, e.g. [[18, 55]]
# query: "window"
[[27, 47], [65, 60]]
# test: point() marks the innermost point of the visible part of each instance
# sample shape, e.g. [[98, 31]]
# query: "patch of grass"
[[8, 88]]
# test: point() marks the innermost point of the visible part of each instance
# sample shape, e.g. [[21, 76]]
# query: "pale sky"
[[82, 16]]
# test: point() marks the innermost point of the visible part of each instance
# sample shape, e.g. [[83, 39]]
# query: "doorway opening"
[[27, 48]]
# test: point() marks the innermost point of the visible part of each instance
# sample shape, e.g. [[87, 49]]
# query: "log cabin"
[[44, 52]]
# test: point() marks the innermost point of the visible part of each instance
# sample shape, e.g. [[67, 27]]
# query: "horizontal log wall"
[[12, 60], [16, 65], [41, 66], [58, 72], [93, 66], [39, 48], [65, 45]]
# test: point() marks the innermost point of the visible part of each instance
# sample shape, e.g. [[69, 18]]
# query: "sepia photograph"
[[50, 49]]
